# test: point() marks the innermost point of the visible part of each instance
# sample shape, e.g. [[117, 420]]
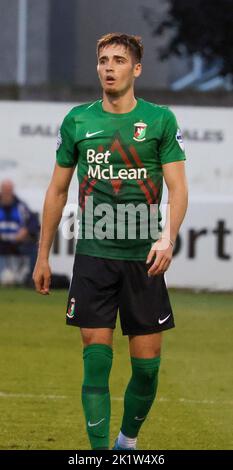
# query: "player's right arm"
[[55, 200]]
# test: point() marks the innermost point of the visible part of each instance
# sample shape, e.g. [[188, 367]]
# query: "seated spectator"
[[19, 229]]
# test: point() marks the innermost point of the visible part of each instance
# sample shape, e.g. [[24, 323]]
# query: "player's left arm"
[[175, 179]]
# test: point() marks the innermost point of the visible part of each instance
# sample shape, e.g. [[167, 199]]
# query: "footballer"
[[122, 147]]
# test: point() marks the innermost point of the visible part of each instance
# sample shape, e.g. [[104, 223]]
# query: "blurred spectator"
[[19, 230]]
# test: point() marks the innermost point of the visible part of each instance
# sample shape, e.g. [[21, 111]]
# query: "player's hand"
[[162, 251], [42, 277]]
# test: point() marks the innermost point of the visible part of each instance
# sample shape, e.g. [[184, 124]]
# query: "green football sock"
[[140, 394], [95, 393]]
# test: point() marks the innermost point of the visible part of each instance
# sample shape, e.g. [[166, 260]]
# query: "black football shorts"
[[100, 287]]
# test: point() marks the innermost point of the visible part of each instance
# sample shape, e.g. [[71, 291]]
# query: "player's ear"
[[137, 69]]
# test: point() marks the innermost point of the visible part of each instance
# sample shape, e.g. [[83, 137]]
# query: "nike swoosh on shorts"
[[163, 319]]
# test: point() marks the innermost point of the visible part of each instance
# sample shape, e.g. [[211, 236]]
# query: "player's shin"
[[95, 393], [140, 394]]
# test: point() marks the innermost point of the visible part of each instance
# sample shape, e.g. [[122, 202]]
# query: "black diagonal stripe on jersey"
[[85, 189], [150, 182], [116, 144], [133, 162], [82, 188]]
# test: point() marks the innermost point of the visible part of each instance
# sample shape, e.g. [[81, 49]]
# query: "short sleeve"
[[66, 153], [171, 148]]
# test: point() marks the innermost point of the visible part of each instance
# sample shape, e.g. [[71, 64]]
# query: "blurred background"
[[48, 48], [47, 66]]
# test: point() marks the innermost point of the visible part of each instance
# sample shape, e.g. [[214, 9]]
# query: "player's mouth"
[[110, 80]]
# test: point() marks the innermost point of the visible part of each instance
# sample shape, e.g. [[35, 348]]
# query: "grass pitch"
[[41, 375]]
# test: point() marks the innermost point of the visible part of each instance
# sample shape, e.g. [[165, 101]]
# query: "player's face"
[[117, 69]]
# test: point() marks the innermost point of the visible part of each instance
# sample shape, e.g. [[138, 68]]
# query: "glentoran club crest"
[[139, 131], [70, 311]]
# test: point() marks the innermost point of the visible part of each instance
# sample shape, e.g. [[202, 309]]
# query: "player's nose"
[[109, 66], [109, 69]]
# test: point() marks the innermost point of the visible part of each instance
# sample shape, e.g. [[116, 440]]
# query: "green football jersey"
[[119, 161]]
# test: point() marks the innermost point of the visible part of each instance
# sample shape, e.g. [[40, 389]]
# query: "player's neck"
[[119, 104]]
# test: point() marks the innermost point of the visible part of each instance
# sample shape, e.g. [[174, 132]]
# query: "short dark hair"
[[133, 43]]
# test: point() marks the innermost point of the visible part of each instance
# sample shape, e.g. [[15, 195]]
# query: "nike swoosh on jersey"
[[164, 319], [139, 419], [90, 134], [95, 424]]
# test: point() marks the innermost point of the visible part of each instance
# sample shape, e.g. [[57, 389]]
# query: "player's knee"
[[93, 336], [97, 364], [145, 375], [157, 352]]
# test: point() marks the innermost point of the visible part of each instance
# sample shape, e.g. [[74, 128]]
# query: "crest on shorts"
[[139, 131], [71, 308]]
